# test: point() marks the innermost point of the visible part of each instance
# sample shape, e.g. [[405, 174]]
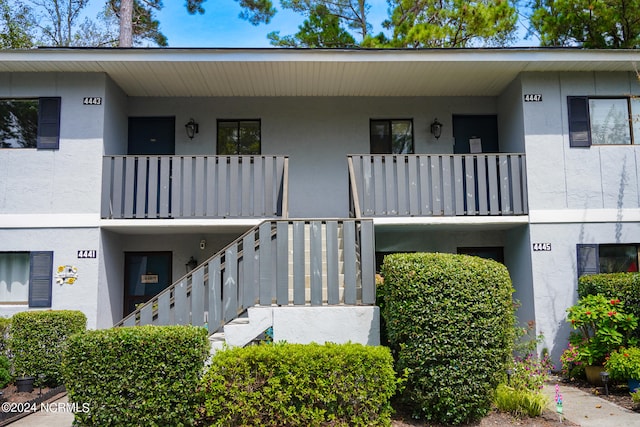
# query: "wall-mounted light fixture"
[[191, 264], [436, 128], [191, 128]]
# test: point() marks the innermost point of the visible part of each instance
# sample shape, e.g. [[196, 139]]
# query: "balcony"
[[437, 185], [151, 187]]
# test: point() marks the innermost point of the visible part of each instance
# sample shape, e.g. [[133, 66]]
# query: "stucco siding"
[[555, 272], [65, 243], [562, 177], [66, 180], [316, 133]]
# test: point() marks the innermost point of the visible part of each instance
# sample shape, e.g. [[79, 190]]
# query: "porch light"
[[191, 264], [604, 376], [436, 128], [191, 128]]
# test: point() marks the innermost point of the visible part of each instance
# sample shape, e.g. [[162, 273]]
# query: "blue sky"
[[220, 25]]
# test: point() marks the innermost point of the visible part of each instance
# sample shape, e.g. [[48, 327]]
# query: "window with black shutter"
[[49, 123], [30, 123], [587, 259], [579, 132], [607, 258], [40, 279]]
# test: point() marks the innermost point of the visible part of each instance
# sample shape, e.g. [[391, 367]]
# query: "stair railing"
[[277, 263]]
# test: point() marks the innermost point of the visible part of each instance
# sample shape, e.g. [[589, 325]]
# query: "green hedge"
[[299, 385], [5, 325], [449, 321], [623, 286], [38, 340], [146, 375]]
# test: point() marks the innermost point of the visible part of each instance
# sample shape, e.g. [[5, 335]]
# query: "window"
[[30, 123], [602, 121], [238, 137], [25, 278], [391, 136], [594, 258]]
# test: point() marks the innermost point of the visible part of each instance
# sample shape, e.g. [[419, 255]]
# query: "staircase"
[[278, 263]]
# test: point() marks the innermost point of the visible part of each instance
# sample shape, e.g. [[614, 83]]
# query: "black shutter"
[[579, 125], [588, 259], [40, 280], [49, 123]]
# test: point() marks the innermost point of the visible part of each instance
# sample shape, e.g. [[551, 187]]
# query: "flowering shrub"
[[602, 326], [572, 367], [530, 372], [624, 363], [523, 395]]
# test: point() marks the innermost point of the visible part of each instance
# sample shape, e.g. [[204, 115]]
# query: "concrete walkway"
[[578, 407], [51, 414], [588, 410]]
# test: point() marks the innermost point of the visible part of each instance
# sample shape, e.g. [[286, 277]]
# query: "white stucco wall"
[[115, 119], [67, 180], [338, 325], [576, 195], [555, 272], [316, 133], [561, 177], [64, 242]]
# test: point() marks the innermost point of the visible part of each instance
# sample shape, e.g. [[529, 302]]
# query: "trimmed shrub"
[[622, 286], [5, 324], [38, 340], [450, 324], [299, 385], [5, 371], [145, 375]]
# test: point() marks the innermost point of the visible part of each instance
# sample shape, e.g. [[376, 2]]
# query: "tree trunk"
[[126, 23]]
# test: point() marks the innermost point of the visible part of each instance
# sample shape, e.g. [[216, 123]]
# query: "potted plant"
[[624, 364], [602, 326], [24, 383]]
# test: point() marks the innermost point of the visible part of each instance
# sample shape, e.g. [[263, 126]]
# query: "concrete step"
[[242, 330]]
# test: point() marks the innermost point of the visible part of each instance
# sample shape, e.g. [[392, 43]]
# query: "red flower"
[[588, 313], [611, 313], [625, 354], [614, 301]]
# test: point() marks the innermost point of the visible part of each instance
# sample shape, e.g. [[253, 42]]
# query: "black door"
[[482, 131], [145, 275], [495, 253], [152, 135]]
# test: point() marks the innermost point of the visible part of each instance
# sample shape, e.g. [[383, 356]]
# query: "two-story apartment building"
[[272, 177]]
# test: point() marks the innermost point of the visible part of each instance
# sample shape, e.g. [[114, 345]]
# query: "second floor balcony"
[[437, 185], [151, 187], [218, 187]]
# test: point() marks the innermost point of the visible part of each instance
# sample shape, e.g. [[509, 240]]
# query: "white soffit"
[[315, 72]]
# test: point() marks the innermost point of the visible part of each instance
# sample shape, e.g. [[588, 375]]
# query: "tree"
[[594, 24], [137, 17], [101, 32], [16, 25], [137, 21], [321, 29], [352, 13], [52, 23], [59, 17], [451, 23]]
